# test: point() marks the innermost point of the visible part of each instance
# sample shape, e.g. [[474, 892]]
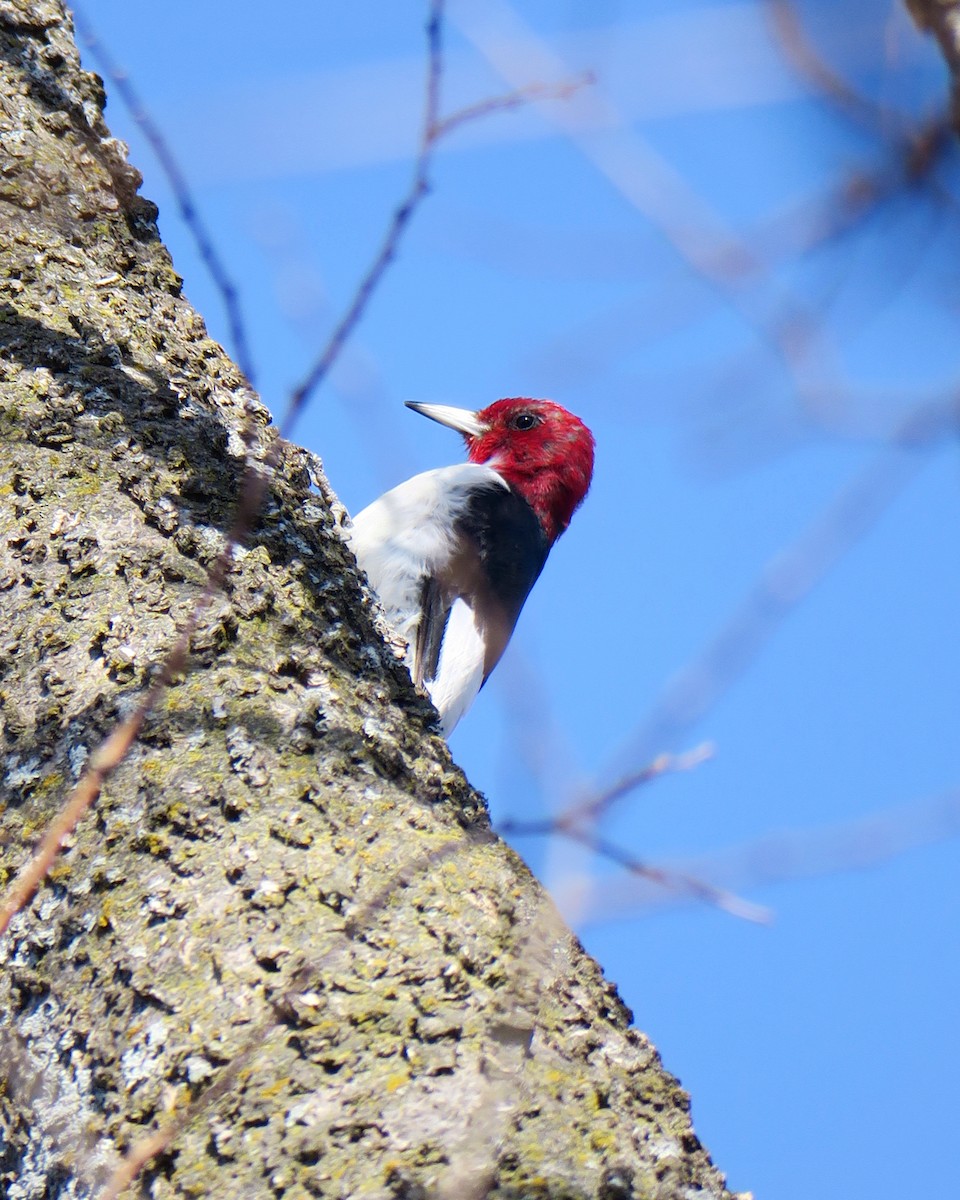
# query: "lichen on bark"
[[286, 923]]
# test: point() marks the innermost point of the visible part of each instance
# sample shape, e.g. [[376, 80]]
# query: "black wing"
[[500, 551]]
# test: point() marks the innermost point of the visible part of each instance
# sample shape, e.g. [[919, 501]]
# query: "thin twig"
[[181, 191], [515, 99], [592, 807], [787, 579], [795, 854], [674, 881], [575, 825]]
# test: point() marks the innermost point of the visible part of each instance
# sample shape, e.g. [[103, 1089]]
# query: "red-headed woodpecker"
[[453, 553]]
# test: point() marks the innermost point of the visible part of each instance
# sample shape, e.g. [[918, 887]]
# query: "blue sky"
[[553, 257]]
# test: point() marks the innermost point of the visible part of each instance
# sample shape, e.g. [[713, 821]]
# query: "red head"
[[544, 452]]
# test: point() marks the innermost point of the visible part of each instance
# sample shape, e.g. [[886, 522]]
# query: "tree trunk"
[[285, 934]]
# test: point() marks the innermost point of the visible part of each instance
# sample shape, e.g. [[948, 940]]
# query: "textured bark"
[[942, 19], [286, 924]]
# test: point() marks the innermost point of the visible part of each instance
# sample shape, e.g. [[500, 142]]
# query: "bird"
[[452, 553]]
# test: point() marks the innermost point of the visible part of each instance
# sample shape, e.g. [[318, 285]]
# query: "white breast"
[[460, 672], [408, 535]]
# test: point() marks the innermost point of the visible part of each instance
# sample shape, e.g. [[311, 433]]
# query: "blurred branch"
[[810, 64], [680, 883], [512, 100], [907, 167], [787, 579], [575, 824], [942, 19], [594, 806], [784, 857], [739, 270], [911, 161], [707, 244]]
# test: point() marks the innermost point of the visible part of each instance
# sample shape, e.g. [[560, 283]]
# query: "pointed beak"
[[461, 419]]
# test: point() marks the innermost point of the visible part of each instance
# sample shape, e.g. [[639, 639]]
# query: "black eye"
[[525, 420]]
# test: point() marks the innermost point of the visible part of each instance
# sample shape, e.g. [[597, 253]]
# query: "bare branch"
[[810, 64], [786, 580], [791, 855], [691, 886], [576, 822], [183, 195], [942, 19], [515, 99]]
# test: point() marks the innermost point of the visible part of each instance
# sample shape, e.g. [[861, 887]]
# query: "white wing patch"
[[460, 673], [406, 537]]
